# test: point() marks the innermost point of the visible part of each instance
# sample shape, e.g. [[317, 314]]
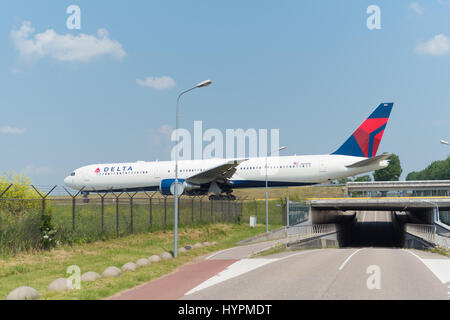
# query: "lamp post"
[[177, 187], [267, 198]]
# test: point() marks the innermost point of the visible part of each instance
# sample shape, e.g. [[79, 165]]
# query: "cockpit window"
[[72, 174]]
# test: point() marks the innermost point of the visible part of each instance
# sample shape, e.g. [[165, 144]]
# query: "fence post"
[[131, 212], [44, 197], [103, 210], [150, 210], [212, 216], [1, 196], [179, 208], [192, 210], [201, 199], [117, 211], [73, 204], [165, 212]]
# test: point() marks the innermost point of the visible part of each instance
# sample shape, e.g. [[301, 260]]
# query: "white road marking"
[[439, 267], [234, 270], [214, 254], [238, 268], [346, 260], [250, 245]]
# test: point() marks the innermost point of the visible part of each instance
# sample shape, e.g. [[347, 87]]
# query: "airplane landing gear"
[[228, 197]]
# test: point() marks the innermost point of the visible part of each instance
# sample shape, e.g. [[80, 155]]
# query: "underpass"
[[373, 258], [382, 221], [372, 229]]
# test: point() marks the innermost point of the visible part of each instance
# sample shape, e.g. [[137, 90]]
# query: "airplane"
[[219, 177]]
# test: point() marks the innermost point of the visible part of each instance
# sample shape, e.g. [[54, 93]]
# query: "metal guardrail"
[[442, 242], [424, 231], [428, 233], [296, 233]]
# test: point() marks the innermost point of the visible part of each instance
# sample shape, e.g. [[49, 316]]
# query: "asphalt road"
[[370, 269], [332, 274]]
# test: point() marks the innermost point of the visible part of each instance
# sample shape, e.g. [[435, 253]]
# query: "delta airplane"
[[219, 177]]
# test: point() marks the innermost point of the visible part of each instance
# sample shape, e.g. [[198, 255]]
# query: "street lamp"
[[267, 199], [176, 186]]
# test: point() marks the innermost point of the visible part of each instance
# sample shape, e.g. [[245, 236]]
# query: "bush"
[[14, 198], [48, 232]]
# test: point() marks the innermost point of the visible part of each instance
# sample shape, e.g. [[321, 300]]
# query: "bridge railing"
[[424, 231], [296, 233]]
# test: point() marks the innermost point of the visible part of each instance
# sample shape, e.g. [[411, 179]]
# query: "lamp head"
[[204, 84]]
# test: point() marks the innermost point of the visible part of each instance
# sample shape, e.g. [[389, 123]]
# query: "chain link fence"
[[78, 218]]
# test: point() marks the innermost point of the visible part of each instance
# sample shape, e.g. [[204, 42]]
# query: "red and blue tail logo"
[[364, 142]]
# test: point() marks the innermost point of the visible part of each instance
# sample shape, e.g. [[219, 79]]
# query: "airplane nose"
[[68, 180]]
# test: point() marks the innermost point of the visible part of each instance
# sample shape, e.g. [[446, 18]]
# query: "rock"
[[111, 272], [143, 262], [198, 245], [188, 247], [90, 276], [214, 243], [182, 250], [23, 293], [206, 243], [154, 258], [61, 284], [166, 256], [129, 266]]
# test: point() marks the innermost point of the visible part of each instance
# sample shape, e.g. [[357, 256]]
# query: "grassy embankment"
[[39, 269]]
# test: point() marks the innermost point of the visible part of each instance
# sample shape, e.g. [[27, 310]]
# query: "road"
[[372, 269], [373, 229], [333, 274]]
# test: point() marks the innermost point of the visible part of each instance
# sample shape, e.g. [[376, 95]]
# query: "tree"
[[366, 178], [343, 180], [437, 170], [392, 172]]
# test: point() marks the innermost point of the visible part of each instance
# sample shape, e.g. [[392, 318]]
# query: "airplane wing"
[[368, 162], [219, 173]]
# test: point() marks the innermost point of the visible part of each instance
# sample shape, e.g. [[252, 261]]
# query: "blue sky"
[[309, 68]]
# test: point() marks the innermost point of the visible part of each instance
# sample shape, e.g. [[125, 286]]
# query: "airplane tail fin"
[[365, 140]]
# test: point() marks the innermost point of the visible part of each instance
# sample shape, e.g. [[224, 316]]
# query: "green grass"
[[273, 250], [40, 268], [20, 231], [441, 251]]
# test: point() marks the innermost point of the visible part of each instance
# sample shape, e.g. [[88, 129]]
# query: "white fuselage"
[[281, 171]]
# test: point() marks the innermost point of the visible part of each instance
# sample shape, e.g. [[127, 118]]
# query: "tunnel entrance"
[[371, 229]]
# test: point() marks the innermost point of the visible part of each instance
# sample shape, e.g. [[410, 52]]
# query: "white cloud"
[[82, 47], [157, 83], [437, 46], [161, 137], [16, 71], [416, 7], [12, 130], [166, 129]]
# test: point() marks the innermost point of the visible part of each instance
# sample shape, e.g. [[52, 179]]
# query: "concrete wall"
[[423, 216]]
